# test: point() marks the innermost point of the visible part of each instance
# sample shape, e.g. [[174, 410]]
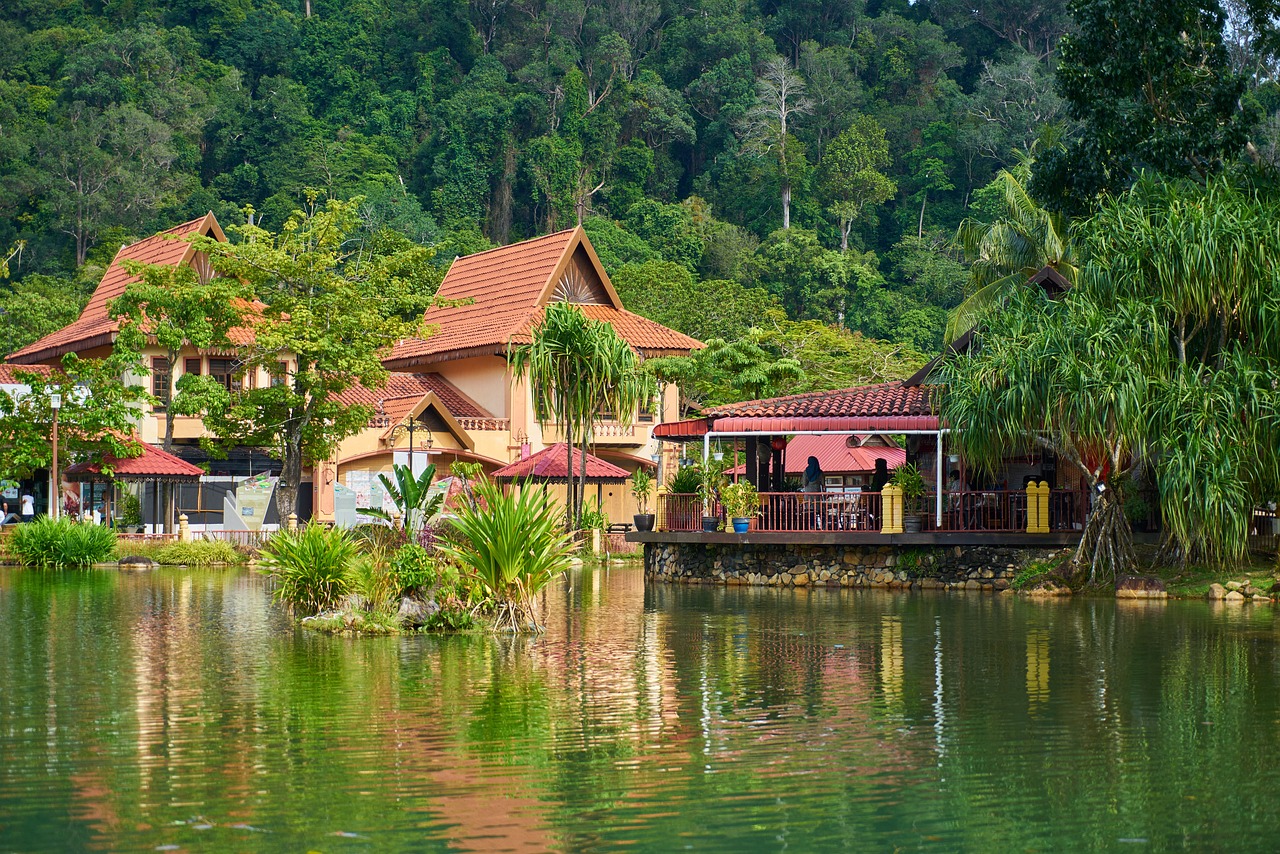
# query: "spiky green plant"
[[312, 567], [413, 497], [62, 543], [1005, 253], [514, 546]]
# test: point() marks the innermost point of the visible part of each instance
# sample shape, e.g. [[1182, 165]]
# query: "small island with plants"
[[480, 566]]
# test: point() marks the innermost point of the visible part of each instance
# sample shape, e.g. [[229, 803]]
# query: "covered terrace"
[[981, 507]]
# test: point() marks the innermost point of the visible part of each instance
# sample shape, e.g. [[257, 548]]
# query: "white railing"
[[485, 424]]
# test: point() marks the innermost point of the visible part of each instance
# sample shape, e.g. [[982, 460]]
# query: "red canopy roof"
[[883, 408], [549, 465], [153, 464]]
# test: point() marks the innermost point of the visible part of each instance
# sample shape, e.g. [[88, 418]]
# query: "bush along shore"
[[483, 569]]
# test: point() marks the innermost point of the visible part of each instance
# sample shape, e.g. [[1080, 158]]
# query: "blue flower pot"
[[740, 526]]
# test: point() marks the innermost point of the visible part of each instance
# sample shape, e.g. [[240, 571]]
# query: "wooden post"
[[184, 531], [891, 509]]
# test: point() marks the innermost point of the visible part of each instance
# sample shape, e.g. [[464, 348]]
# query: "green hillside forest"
[[785, 179]]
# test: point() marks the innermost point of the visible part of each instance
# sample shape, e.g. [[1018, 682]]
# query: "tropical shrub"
[[741, 501], [313, 567], [62, 543], [513, 546], [197, 553], [415, 501], [641, 486], [684, 481], [911, 481]]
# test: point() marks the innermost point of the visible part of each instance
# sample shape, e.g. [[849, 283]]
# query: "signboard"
[[252, 498]]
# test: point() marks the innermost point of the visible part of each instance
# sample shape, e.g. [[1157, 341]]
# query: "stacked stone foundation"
[[989, 568]]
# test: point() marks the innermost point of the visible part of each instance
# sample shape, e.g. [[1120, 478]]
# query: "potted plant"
[[131, 513], [741, 502], [909, 479], [709, 485], [641, 486]]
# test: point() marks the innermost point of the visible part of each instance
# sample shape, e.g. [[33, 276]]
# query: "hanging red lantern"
[[779, 443]]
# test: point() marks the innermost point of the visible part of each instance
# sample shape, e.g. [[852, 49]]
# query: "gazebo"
[[152, 465], [548, 466]]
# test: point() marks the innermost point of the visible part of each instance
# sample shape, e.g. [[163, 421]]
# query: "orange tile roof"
[[891, 398], [507, 288], [95, 327], [405, 387], [8, 372]]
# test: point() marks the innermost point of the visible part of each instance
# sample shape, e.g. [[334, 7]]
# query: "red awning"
[[153, 464], [549, 465], [682, 431]]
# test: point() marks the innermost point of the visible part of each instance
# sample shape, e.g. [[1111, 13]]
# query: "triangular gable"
[[579, 277], [431, 400]]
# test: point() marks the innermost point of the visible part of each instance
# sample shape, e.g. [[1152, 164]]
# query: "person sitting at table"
[[7, 516]]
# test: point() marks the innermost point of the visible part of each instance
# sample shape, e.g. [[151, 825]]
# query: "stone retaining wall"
[[929, 567]]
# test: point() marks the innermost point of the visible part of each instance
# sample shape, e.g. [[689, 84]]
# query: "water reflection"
[[179, 708]]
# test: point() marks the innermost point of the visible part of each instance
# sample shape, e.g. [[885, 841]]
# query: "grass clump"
[[62, 543], [312, 567], [198, 553]]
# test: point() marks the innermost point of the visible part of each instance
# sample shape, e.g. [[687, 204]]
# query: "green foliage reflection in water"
[[62, 543], [514, 545], [312, 568]]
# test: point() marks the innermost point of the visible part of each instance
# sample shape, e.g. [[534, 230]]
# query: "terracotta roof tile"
[[508, 288], [9, 371], [885, 399], [549, 464], [94, 326], [405, 386]]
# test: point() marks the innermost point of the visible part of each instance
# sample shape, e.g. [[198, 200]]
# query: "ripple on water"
[[181, 711]]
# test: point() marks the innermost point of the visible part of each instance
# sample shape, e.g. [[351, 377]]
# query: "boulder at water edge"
[[1140, 587]]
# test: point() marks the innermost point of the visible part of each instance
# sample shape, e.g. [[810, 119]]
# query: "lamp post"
[[55, 403]]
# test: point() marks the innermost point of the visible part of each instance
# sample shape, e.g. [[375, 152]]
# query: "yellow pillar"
[[1043, 496], [891, 509], [184, 530], [1037, 508], [292, 524]]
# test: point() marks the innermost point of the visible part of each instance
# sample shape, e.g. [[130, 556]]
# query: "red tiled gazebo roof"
[[549, 465], [152, 464]]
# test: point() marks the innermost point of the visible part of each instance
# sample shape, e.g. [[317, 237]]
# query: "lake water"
[[179, 710]]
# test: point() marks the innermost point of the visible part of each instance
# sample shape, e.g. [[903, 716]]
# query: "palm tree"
[[577, 368], [1006, 253], [414, 500]]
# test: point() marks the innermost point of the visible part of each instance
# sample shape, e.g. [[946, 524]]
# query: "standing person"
[[28, 507], [880, 476], [812, 476]]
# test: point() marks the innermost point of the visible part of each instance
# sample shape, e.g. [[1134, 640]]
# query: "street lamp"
[[55, 403]]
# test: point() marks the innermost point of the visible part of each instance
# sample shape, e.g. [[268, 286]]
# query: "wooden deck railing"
[[992, 510]]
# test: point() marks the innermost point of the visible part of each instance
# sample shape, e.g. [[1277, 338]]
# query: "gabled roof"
[[8, 372], [506, 290], [549, 465], [95, 327], [406, 386], [152, 464]]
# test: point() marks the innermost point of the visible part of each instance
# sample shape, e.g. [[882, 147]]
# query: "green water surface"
[[179, 710]]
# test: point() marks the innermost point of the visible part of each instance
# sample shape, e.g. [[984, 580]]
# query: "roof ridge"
[[518, 243], [804, 395]]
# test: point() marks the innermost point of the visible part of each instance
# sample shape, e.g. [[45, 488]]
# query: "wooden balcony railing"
[[990, 511]]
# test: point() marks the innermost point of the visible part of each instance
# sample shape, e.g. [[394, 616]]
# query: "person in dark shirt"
[[879, 477]]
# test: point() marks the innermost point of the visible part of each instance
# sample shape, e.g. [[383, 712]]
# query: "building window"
[[226, 372], [280, 374], [160, 380], [191, 366]]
